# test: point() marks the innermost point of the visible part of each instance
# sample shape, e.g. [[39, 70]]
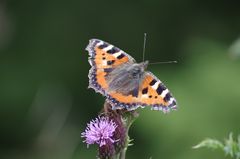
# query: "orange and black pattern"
[[104, 58]]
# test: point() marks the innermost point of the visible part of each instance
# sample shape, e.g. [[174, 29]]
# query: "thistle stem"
[[123, 153], [131, 117], [127, 118]]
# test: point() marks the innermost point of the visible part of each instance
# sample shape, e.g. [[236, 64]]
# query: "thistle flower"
[[110, 132], [100, 131]]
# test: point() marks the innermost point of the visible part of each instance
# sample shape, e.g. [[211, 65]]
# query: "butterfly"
[[125, 83]]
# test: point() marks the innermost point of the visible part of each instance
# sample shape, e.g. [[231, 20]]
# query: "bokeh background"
[[44, 100]]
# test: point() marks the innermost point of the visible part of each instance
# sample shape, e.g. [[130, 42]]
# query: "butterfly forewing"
[[104, 57], [154, 93]]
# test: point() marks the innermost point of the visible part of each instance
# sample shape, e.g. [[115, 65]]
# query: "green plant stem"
[[116, 156], [131, 117], [123, 153]]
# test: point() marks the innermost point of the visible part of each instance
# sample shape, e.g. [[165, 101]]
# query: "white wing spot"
[[100, 43], [117, 54], [164, 93], [155, 86], [171, 100], [108, 48]]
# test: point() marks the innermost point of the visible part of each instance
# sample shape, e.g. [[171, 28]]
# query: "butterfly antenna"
[[162, 62], [144, 48], [144, 45]]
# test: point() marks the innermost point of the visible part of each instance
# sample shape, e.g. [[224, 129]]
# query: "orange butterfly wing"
[[103, 57], [152, 93]]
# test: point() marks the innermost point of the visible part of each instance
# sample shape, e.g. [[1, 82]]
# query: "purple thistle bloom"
[[100, 131]]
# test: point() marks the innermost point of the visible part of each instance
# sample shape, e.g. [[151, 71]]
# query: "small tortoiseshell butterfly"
[[125, 83]]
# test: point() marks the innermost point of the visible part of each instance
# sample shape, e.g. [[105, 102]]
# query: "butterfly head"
[[137, 70]]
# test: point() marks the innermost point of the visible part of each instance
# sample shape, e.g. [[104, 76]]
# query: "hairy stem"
[[126, 119], [131, 117]]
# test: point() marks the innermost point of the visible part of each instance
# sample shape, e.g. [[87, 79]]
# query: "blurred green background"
[[44, 100]]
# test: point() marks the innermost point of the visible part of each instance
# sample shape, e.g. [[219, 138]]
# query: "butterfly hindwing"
[[104, 57]]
